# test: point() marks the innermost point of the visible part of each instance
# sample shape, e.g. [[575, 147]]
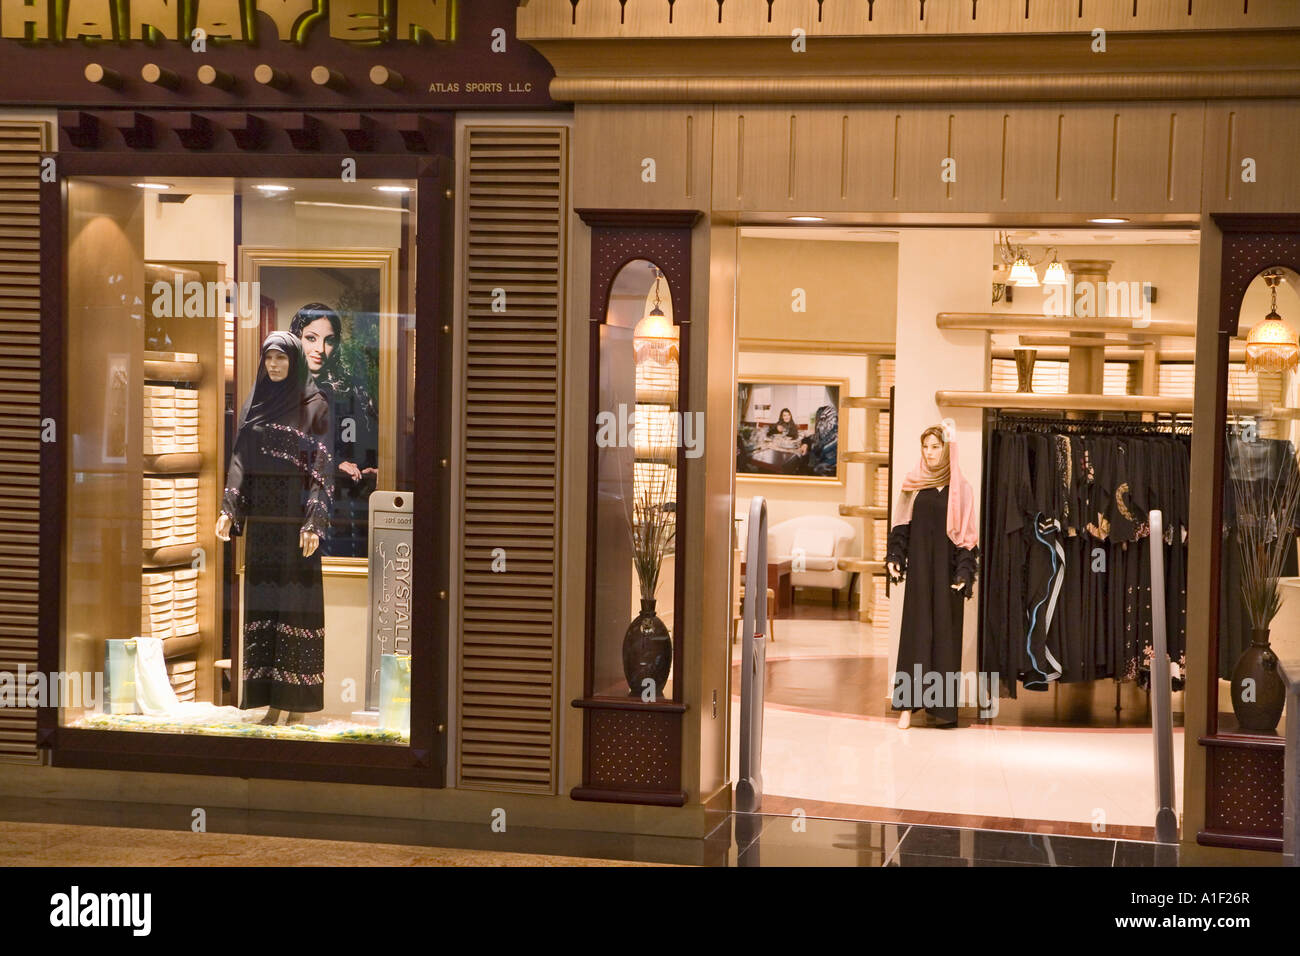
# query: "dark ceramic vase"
[[1258, 667], [647, 651]]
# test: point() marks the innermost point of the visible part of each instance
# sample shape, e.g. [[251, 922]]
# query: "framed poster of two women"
[[789, 428], [342, 306]]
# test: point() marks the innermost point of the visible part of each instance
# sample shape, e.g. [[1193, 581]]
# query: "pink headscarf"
[[962, 530]]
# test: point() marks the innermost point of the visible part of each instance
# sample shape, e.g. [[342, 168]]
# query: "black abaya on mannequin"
[[930, 637], [279, 485]]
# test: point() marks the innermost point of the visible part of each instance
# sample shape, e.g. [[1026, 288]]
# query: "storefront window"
[[1259, 587], [241, 373], [637, 431]]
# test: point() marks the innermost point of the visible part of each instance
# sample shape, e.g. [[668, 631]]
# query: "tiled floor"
[[773, 840], [831, 743]]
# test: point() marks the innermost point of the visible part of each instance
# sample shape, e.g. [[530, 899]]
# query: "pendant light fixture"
[[1272, 345], [655, 336]]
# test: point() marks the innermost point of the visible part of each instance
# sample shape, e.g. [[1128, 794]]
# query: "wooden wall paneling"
[[612, 142], [741, 18], [778, 158], [1264, 131], [714, 348], [923, 142], [977, 139], [1030, 174], [1153, 146], [871, 160], [21, 142]]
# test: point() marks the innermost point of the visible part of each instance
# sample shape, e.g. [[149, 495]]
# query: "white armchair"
[[822, 540]]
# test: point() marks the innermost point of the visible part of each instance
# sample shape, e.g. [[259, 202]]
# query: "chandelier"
[[1271, 345], [1022, 265]]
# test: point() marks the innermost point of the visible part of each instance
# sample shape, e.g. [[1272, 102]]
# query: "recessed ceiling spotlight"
[[273, 188], [393, 189], [806, 218], [1107, 221], [158, 186]]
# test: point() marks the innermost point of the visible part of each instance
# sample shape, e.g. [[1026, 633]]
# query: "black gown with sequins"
[[280, 483]]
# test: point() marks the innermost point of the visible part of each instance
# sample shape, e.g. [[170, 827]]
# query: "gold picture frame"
[[781, 383], [252, 261]]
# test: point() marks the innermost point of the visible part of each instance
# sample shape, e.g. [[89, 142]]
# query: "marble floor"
[[828, 747], [769, 840], [57, 833]]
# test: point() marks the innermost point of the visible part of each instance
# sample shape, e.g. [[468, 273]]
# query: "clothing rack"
[[1100, 630], [1164, 423]]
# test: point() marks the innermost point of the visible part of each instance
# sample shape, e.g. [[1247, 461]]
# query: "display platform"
[[209, 719]]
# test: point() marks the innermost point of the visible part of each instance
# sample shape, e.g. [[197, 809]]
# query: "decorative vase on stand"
[[647, 652], [1025, 369], [1256, 677]]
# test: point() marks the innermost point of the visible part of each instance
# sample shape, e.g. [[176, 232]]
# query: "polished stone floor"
[[829, 746], [775, 840], [94, 834]]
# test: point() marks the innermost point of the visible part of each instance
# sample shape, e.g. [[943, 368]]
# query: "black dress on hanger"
[[930, 637]]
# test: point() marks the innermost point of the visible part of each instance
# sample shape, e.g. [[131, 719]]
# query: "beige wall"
[[929, 358], [849, 289]]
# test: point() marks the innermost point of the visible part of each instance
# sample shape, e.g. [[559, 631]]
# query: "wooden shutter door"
[[21, 142], [514, 208]]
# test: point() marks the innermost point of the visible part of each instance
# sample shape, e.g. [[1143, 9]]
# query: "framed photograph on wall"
[[342, 303], [790, 428]]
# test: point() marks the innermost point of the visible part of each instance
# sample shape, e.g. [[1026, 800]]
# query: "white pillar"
[[939, 270]]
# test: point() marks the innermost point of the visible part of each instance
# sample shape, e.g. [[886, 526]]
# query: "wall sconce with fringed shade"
[[1272, 346]]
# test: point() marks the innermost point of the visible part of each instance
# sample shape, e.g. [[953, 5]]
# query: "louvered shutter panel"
[[515, 184], [20, 417]]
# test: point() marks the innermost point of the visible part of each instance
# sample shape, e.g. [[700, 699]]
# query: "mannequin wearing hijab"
[[278, 493], [933, 544]]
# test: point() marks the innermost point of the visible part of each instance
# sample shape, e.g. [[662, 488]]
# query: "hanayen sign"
[[364, 22], [389, 610]]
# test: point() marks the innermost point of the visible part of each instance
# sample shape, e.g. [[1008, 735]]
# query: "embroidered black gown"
[[930, 637], [280, 483]]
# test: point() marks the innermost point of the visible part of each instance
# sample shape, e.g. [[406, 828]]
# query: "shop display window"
[[240, 401], [1259, 578], [636, 448]]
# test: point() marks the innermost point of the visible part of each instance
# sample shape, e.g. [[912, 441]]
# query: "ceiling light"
[[152, 185], [393, 189], [1107, 221], [806, 218], [273, 188]]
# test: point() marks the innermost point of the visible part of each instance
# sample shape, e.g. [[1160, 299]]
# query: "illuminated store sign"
[[363, 22]]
